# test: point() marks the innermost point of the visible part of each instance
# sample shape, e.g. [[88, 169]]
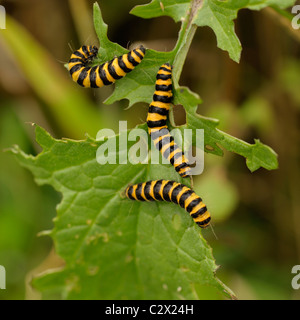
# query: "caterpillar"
[[157, 121], [106, 73], [171, 191]]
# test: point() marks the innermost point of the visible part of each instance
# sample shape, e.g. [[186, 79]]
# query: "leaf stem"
[[186, 35]]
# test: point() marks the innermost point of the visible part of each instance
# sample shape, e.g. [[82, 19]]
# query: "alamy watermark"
[[296, 278], [2, 277], [132, 146], [295, 20], [2, 18]]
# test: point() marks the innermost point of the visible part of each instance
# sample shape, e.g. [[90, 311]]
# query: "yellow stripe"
[[86, 82], [155, 117], [108, 75], [99, 82], [134, 187], [76, 74], [74, 56], [164, 72], [197, 207], [165, 82], [135, 57], [151, 189], [160, 104], [128, 64], [176, 151], [118, 70], [163, 183], [72, 64], [191, 198], [159, 138], [184, 171], [184, 189], [181, 160], [143, 193], [153, 130], [140, 52], [203, 217], [166, 146], [81, 51], [164, 93], [173, 187]]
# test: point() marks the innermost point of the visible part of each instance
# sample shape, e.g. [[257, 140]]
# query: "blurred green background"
[[256, 216]]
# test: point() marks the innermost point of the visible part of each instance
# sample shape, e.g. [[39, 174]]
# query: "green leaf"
[[257, 155], [139, 85], [116, 248], [216, 14]]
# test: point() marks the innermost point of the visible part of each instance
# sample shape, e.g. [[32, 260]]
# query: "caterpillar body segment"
[[171, 191]]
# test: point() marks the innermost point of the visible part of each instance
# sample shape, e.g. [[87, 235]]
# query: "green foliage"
[[216, 14], [115, 248]]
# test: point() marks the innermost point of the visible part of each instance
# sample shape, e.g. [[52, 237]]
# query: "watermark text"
[[2, 277]]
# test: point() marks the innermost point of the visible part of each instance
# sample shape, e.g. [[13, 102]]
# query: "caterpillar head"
[[92, 53]]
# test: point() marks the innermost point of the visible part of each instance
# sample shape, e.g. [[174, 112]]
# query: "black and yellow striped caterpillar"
[[106, 73], [157, 121], [166, 190]]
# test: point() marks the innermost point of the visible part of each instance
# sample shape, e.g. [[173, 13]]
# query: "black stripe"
[[138, 192], [93, 51], [147, 191], [175, 193], [165, 140], [163, 76], [204, 222], [155, 124], [199, 212], [160, 98], [75, 68], [161, 111], [132, 60], [141, 48], [79, 54], [102, 75], [130, 190], [184, 197], [180, 166], [166, 69], [112, 70], [166, 190], [93, 77], [163, 87], [82, 75], [156, 190], [75, 60], [122, 65], [176, 156], [169, 150], [193, 204], [85, 50]]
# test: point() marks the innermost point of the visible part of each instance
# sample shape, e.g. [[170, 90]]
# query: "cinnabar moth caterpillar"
[[166, 190], [106, 73], [157, 121]]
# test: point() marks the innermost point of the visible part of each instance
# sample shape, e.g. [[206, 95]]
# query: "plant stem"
[[186, 35]]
